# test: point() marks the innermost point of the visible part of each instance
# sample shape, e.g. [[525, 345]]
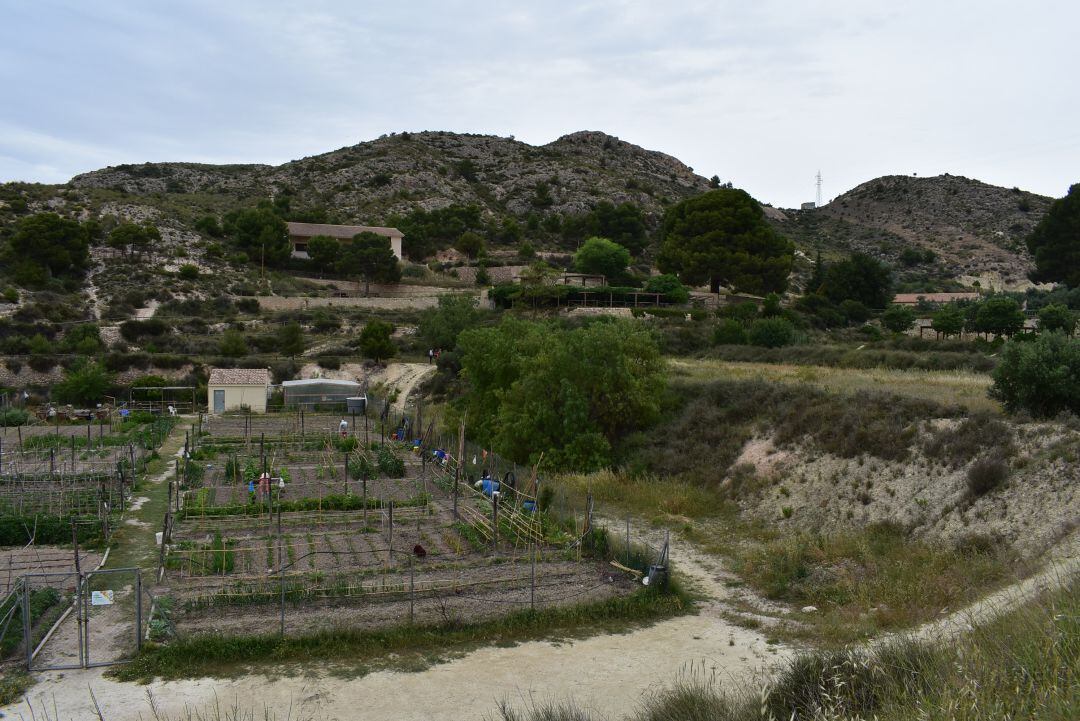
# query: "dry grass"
[[957, 387], [1023, 665]]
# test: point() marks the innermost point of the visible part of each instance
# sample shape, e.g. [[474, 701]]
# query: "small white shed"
[[231, 389]]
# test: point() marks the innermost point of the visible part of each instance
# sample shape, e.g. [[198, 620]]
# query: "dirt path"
[[112, 627], [1063, 566]]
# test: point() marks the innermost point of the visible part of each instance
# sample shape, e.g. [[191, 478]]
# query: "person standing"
[[430, 355]]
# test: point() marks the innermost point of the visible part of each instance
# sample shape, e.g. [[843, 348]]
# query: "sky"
[[762, 93]]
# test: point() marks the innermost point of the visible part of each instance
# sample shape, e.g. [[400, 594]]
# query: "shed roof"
[[320, 382], [239, 377], [308, 230]]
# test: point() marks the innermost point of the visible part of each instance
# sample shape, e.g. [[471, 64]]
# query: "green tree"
[[567, 393], [46, 245], [771, 307], [209, 225], [233, 344], [898, 318], [375, 341], [600, 256], [722, 237], [133, 238], [369, 257], [1040, 376], [290, 339], [948, 321], [1000, 315], [440, 326], [860, 278], [672, 288], [427, 231], [260, 233], [817, 275], [470, 243], [1055, 241], [84, 385], [323, 251], [623, 224], [1056, 317]]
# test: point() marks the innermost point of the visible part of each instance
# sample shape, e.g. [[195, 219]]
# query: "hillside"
[[371, 181], [933, 230]]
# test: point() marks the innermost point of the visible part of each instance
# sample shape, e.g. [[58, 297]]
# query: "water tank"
[[356, 404]]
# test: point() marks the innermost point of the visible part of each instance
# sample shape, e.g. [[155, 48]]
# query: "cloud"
[[763, 94]]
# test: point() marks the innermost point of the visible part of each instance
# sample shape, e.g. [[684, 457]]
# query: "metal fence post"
[[138, 610], [26, 628], [390, 546], [412, 589]]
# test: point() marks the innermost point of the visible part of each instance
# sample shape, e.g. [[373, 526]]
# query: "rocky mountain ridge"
[[395, 174]]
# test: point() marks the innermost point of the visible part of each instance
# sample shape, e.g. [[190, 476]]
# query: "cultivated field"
[[353, 534]]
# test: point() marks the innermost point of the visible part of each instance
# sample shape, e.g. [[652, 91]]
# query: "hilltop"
[[398, 173], [932, 230]]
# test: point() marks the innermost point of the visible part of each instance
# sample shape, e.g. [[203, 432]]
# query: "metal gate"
[[100, 626]]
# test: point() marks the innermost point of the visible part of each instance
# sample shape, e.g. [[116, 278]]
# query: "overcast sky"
[[762, 93]]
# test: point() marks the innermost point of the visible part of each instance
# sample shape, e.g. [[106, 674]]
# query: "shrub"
[[375, 340], [898, 318], [11, 295], [957, 446], [13, 417], [188, 271], [771, 332], [233, 344], [986, 474], [84, 385], [674, 291], [854, 311], [1041, 377], [729, 332]]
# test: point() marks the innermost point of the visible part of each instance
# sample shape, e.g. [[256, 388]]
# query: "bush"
[[729, 332], [13, 417], [133, 330], [956, 446], [986, 474], [188, 271], [854, 311], [84, 385], [898, 318], [375, 340], [1041, 377], [771, 332], [674, 291]]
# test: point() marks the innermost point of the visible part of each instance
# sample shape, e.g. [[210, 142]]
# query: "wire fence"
[[281, 521]]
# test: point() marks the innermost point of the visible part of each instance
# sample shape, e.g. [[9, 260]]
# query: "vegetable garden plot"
[[361, 537]]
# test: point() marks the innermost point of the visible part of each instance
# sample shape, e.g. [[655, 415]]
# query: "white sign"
[[101, 598]]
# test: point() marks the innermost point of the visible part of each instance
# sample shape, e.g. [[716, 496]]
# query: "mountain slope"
[[951, 227], [371, 181]]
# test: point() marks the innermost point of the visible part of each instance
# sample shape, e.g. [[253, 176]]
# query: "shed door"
[[219, 401]]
